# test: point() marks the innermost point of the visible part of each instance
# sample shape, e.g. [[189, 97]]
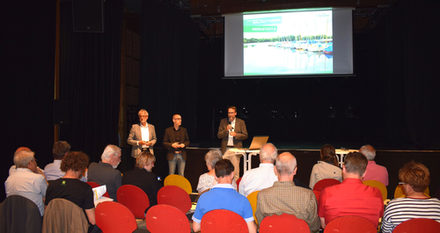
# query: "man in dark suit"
[[176, 140], [232, 131], [142, 136]]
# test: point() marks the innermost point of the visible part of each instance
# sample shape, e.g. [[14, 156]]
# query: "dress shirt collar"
[[22, 169], [229, 186], [352, 181], [266, 165], [178, 129], [371, 162], [146, 125]]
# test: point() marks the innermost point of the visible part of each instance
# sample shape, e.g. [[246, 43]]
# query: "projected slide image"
[[288, 43]]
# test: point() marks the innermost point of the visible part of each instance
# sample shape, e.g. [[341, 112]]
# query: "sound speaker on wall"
[[88, 15]]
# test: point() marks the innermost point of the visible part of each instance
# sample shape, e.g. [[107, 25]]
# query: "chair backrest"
[[350, 224], [134, 198], [398, 192], [285, 223], [19, 214], [166, 218], [178, 180], [62, 215], [252, 198], [175, 196], [324, 183], [94, 185], [379, 185], [317, 194], [113, 217], [417, 225], [220, 221], [238, 182]]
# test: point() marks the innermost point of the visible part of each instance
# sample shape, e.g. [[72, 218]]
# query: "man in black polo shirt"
[[176, 140]]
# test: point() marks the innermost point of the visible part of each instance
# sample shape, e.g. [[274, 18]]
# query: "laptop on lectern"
[[258, 142]]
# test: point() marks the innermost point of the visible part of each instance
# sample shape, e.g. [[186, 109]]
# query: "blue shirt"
[[223, 196]]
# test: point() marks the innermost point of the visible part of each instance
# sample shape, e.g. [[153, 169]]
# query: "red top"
[[351, 197], [376, 172]]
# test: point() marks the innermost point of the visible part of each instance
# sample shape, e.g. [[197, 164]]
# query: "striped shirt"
[[402, 209]]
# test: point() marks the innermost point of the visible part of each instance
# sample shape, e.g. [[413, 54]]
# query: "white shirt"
[[52, 171], [145, 134], [231, 138], [257, 179], [27, 184]]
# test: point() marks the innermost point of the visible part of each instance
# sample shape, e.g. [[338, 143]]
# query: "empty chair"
[[350, 224], [134, 198], [62, 215], [252, 197], [379, 185], [113, 217], [220, 221], [19, 214], [163, 218], [175, 196], [417, 225], [178, 180], [94, 185], [324, 183], [285, 223]]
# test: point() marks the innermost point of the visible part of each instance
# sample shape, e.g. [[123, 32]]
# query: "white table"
[[247, 156], [340, 154]]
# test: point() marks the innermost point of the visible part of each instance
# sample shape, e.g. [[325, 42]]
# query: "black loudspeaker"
[[88, 15]]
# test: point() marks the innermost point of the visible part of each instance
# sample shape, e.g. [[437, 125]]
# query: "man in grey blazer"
[[142, 136], [232, 131]]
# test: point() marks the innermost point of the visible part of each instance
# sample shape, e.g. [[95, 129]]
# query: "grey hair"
[[368, 151], [213, 156], [23, 158], [109, 151], [285, 166], [268, 152]]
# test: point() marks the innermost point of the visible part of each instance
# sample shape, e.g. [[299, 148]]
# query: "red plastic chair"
[[175, 196], [417, 225], [220, 221], [134, 198], [113, 217], [324, 183], [238, 182], [350, 224], [94, 185], [165, 218], [317, 194], [285, 223]]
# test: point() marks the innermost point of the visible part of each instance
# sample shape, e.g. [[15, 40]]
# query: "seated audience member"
[[327, 167], [207, 180], [52, 170], [374, 171], [13, 168], [263, 176], [351, 197], [143, 177], [70, 187], [414, 178], [27, 180], [105, 172], [224, 196], [285, 197]]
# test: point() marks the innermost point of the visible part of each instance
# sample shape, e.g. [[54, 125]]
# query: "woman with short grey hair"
[[207, 180]]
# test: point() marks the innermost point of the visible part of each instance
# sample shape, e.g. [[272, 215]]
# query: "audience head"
[[22, 148], [223, 168], [232, 113], [143, 116], [25, 159], [76, 161], [328, 154], [368, 151], [268, 153], [355, 163], [145, 160], [111, 155], [415, 175], [59, 149], [212, 157], [285, 164]]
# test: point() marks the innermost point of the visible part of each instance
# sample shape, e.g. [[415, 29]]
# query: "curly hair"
[[416, 175], [75, 161]]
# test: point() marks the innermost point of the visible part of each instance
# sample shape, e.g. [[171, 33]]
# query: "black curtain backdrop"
[[90, 81], [169, 66]]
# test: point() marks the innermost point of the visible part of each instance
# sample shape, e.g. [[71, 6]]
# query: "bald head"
[[268, 153], [368, 151], [286, 164]]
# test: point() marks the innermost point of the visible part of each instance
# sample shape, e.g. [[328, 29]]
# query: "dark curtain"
[[169, 66], [90, 81]]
